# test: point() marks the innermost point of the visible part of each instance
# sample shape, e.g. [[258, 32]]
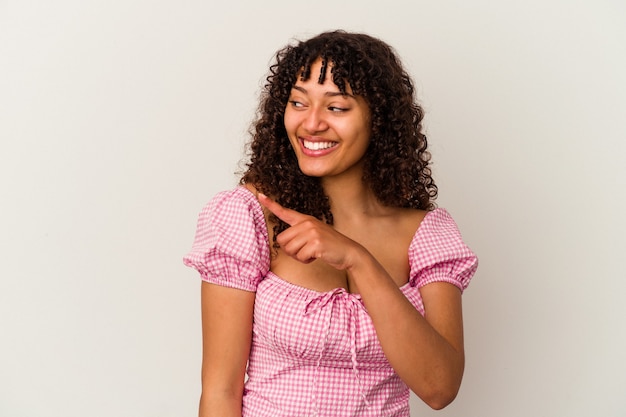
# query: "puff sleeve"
[[231, 242], [438, 253]]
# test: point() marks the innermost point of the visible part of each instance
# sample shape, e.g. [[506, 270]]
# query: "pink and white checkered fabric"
[[315, 354]]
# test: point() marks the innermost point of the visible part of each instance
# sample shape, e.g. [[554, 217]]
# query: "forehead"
[[320, 72]]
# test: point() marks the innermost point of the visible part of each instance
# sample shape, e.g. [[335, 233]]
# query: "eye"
[[336, 109], [296, 104]]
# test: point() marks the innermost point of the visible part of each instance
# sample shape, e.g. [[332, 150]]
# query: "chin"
[[313, 172]]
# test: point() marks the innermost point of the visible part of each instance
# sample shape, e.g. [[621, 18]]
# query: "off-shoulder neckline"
[[418, 232]]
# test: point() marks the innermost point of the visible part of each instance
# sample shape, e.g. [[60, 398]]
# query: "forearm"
[[222, 393], [431, 365], [219, 404]]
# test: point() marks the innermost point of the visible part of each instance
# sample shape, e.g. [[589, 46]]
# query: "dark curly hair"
[[396, 164]]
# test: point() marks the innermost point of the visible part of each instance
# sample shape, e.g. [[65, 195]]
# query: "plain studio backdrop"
[[120, 119]]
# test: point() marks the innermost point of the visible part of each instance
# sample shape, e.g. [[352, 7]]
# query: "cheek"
[[289, 122], [362, 137], [290, 127]]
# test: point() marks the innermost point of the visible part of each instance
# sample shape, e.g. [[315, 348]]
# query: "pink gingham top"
[[315, 353]]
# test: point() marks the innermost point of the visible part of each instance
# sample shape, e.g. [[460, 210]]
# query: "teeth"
[[316, 146]]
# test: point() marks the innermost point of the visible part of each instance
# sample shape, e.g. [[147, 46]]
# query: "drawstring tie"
[[318, 303]]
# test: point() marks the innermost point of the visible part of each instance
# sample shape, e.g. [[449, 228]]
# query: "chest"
[[390, 250], [304, 326]]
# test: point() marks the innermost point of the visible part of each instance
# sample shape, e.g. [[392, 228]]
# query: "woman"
[[329, 276]]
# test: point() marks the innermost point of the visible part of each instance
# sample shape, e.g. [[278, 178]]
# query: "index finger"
[[289, 216]]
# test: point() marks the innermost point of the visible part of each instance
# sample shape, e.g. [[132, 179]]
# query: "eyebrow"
[[328, 93]]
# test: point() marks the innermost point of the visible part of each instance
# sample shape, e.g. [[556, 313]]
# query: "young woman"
[[329, 276]]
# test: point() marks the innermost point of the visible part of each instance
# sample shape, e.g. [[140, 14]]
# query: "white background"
[[119, 119]]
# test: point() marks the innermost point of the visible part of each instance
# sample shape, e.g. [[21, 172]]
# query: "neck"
[[350, 198]]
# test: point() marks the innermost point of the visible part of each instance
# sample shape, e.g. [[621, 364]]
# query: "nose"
[[315, 120]]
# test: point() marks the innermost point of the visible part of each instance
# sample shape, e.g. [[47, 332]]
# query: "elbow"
[[437, 385], [440, 400], [439, 395]]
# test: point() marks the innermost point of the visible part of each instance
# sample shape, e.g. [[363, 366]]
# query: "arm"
[[226, 337], [426, 352]]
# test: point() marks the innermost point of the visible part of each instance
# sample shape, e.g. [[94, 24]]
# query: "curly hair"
[[396, 163]]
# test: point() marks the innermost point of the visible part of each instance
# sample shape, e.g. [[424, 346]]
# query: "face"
[[329, 131]]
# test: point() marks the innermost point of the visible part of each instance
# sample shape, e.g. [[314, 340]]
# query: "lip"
[[316, 152]]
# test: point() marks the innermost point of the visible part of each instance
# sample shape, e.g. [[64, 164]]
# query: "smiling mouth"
[[317, 146]]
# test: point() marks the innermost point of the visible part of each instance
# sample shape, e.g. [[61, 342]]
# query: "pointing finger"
[[289, 216]]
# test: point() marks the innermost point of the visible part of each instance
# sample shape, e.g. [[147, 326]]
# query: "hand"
[[309, 239]]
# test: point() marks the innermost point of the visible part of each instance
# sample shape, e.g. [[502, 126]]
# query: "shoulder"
[[439, 245], [233, 215], [238, 197], [231, 247], [438, 224]]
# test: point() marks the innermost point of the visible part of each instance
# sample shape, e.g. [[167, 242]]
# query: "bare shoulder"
[[410, 219]]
